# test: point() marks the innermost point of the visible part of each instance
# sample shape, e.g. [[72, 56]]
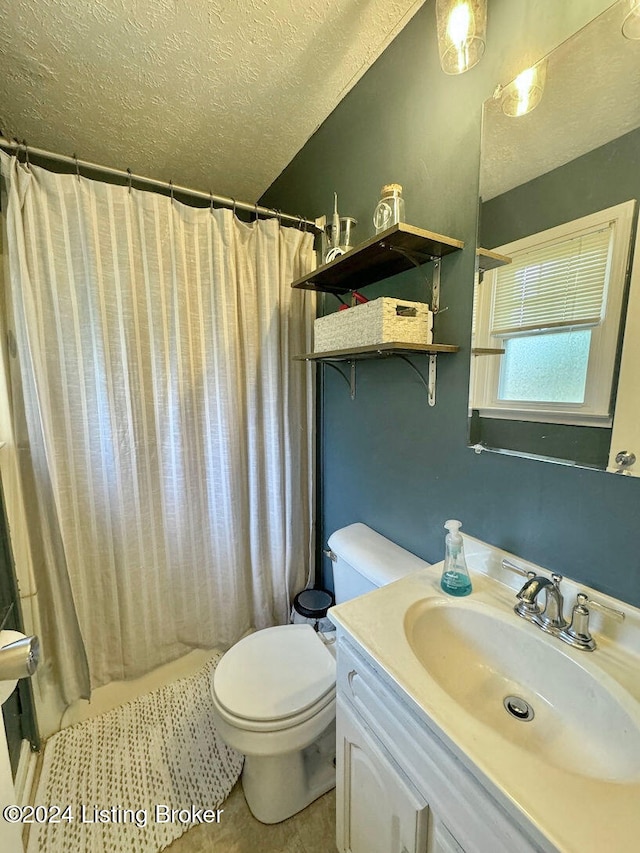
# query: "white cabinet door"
[[379, 810]]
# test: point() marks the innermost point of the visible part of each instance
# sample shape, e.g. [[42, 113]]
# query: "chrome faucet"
[[550, 619]]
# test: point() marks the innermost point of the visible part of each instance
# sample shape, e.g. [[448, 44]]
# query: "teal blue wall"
[[388, 459]]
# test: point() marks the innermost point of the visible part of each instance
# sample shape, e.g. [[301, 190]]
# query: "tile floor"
[[311, 831]]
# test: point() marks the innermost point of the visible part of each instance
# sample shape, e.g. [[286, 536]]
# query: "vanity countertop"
[[575, 811]]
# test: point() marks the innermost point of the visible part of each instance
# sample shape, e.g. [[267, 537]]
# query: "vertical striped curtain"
[[170, 432]]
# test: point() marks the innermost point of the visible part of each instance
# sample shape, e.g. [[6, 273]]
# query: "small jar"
[[390, 208]]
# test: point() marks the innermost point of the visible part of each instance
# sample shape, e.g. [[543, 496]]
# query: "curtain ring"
[[130, 176], [75, 157], [171, 189], [279, 217], [210, 201], [233, 209], [299, 222], [26, 155], [256, 211]]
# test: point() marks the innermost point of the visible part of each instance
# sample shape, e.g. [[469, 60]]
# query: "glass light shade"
[[525, 92], [462, 30], [631, 24]]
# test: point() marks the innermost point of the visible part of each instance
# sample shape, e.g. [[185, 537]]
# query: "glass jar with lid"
[[390, 208]]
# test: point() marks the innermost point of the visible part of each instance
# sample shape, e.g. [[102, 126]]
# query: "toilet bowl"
[[274, 691], [274, 700]]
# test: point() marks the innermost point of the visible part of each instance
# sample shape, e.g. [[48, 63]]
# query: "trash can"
[[310, 606]]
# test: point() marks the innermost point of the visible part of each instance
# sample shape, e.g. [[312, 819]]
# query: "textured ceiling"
[[214, 94], [592, 95]]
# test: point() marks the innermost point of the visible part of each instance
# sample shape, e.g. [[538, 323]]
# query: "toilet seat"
[[274, 679], [273, 726]]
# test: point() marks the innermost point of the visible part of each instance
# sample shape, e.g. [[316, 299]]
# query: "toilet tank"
[[365, 560]]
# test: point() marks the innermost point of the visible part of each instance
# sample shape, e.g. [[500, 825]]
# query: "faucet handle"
[[611, 612], [578, 634], [518, 570]]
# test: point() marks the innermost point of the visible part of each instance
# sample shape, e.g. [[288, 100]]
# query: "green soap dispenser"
[[455, 578]]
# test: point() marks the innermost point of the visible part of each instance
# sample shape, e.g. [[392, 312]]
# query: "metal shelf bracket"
[[418, 260], [435, 286], [429, 383], [350, 380], [432, 379]]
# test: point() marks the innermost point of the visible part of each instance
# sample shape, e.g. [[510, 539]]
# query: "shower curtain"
[[170, 435]]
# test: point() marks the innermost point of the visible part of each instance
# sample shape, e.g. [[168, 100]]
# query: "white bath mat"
[[109, 785]]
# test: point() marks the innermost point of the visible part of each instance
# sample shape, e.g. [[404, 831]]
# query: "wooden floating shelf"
[[490, 260], [487, 351], [376, 351], [391, 252]]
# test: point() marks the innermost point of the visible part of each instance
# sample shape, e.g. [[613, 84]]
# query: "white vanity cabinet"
[[400, 789], [380, 811]]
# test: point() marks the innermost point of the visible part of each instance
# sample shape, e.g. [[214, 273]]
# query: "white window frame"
[[485, 373]]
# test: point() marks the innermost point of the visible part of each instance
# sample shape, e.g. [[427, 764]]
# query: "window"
[[553, 314]]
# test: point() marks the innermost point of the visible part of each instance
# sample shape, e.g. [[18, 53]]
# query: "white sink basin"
[[584, 722]]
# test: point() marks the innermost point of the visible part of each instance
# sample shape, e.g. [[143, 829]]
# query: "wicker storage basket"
[[380, 321]]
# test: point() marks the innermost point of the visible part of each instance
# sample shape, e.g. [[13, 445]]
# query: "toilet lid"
[[274, 673]]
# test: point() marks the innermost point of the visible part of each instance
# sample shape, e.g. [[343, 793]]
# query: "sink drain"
[[518, 708]]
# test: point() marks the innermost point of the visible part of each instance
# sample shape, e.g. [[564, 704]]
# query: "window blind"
[[554, 285]]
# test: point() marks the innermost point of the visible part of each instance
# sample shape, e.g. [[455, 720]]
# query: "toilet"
[[274, 691]]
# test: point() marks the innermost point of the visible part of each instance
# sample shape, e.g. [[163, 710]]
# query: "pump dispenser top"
[[455, 578]]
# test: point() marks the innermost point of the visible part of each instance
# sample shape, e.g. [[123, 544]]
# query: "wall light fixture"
[[462, 29], [525, 92]]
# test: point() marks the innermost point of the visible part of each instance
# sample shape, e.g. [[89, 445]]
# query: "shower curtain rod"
[[14, 145]]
